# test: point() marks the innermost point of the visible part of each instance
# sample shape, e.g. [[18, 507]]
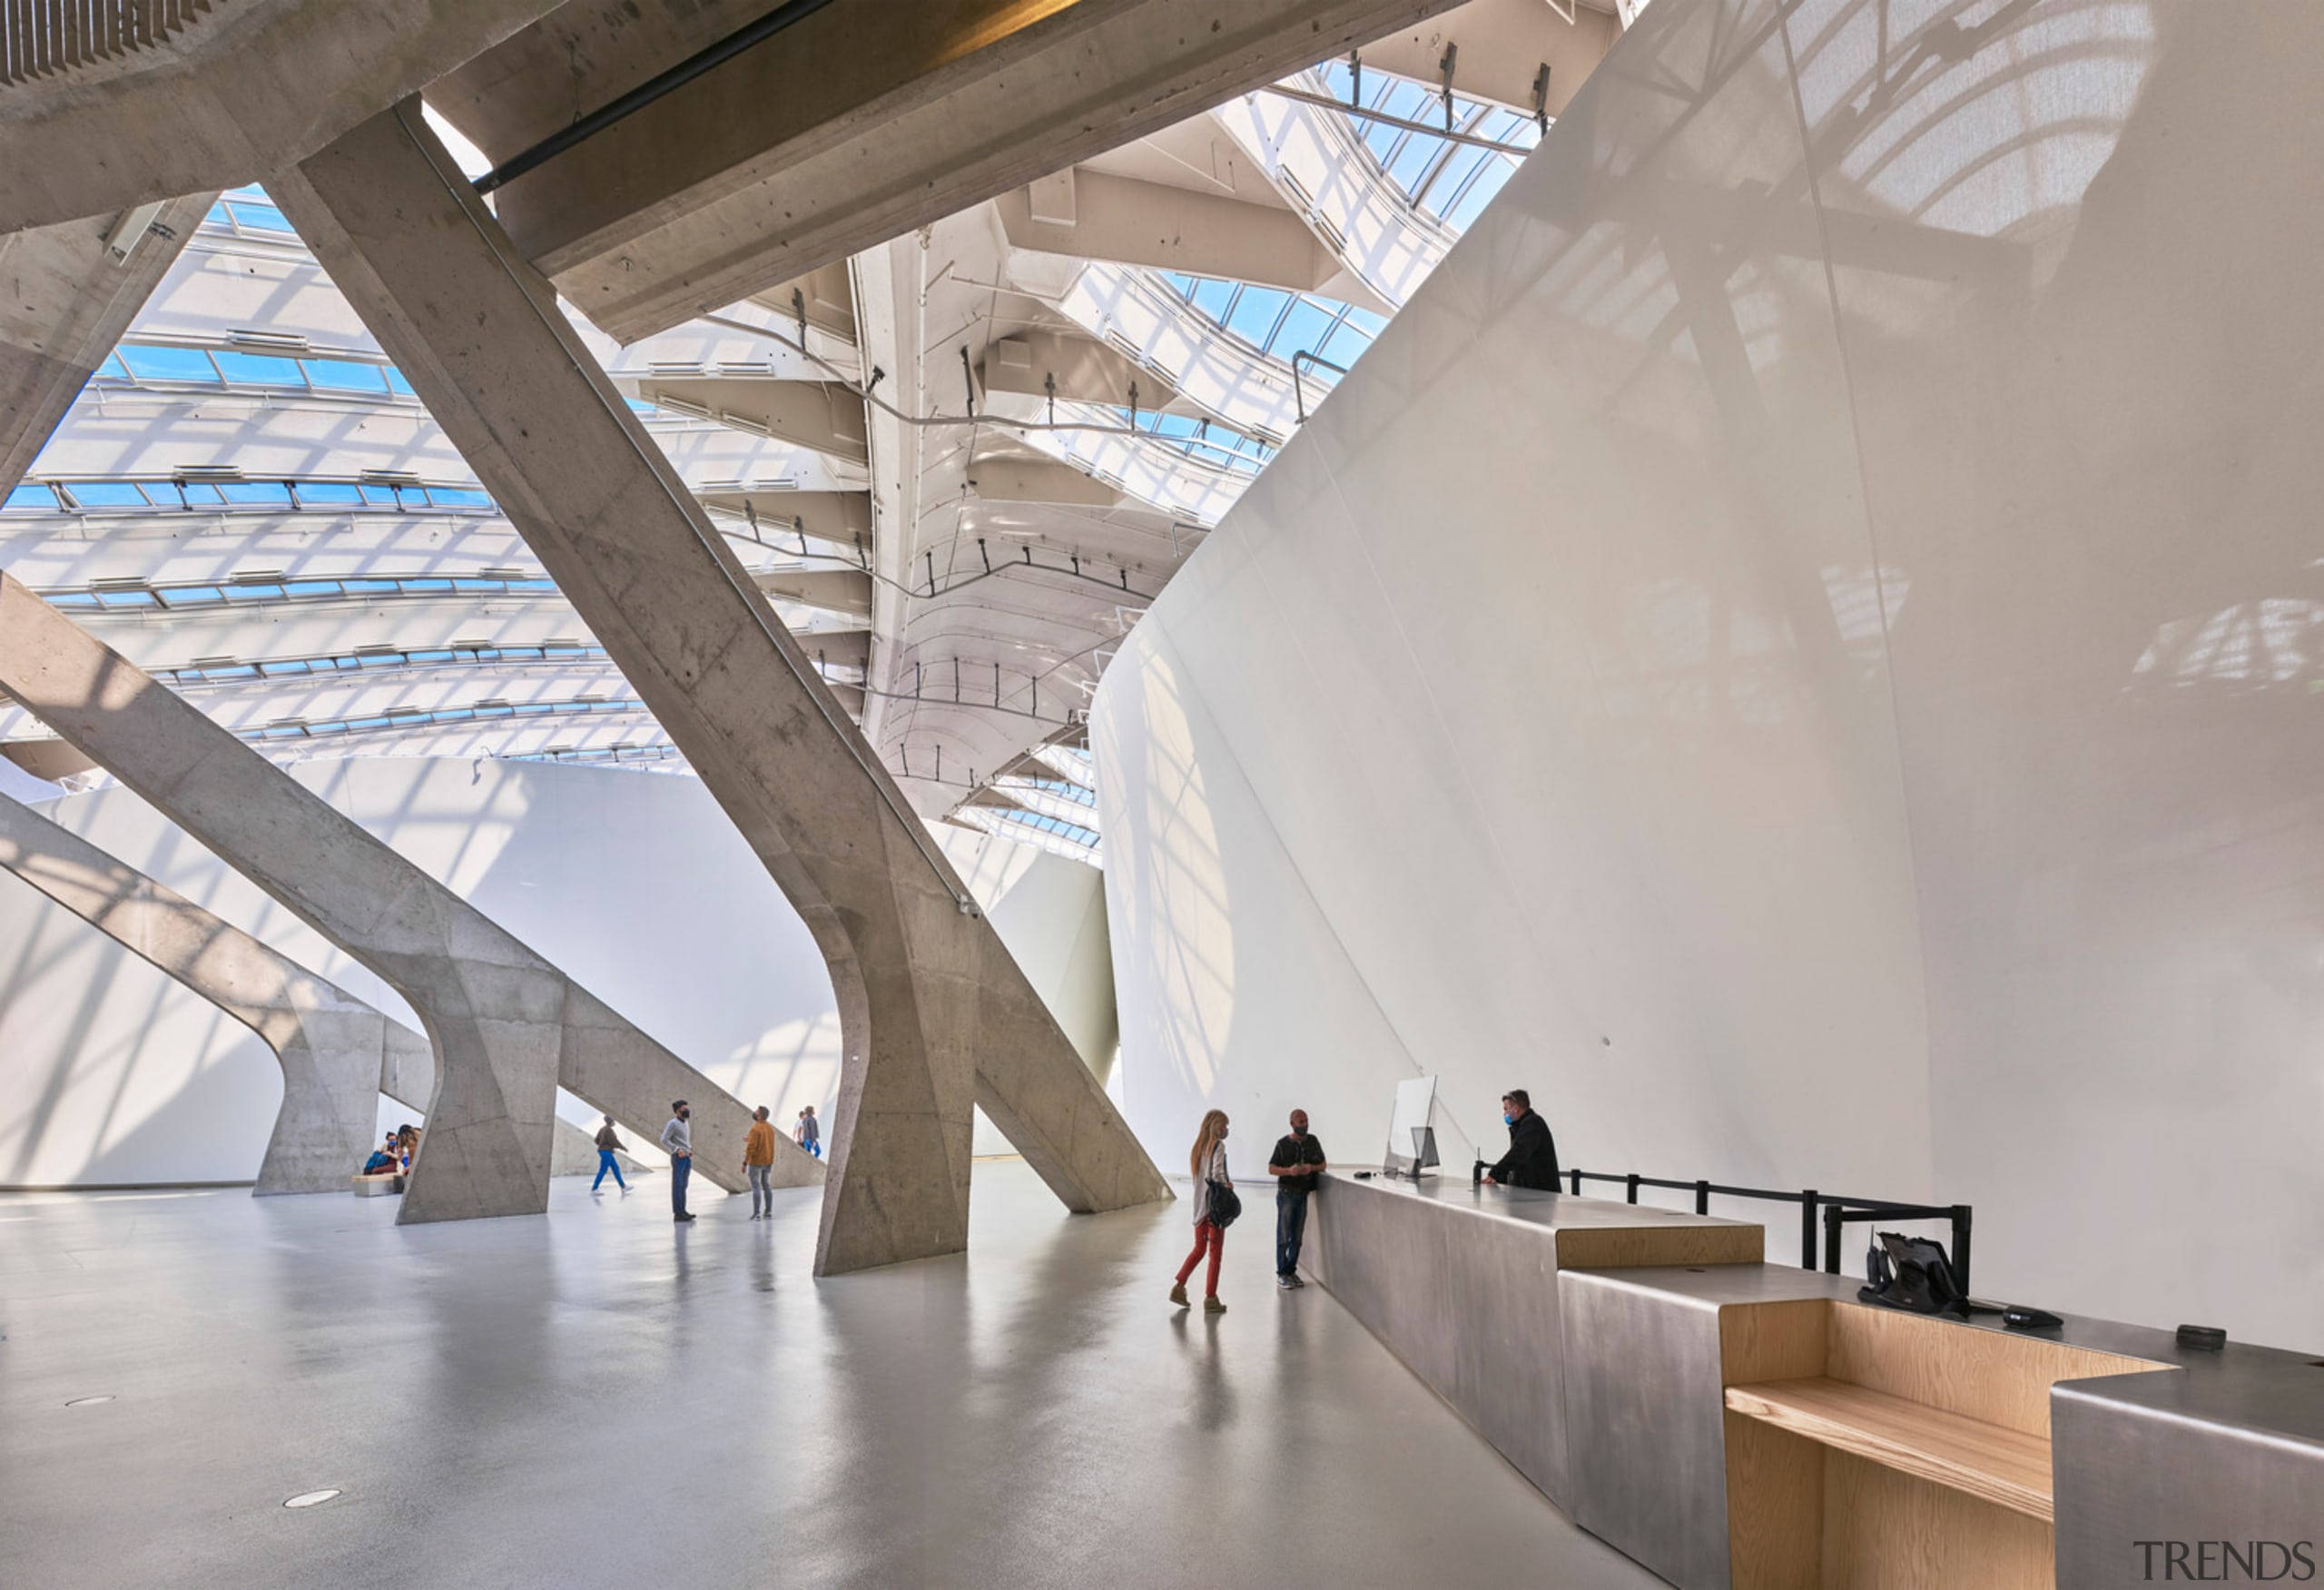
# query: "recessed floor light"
[[310, 1498], [87, 1401]]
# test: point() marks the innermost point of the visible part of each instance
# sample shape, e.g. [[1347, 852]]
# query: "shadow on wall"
[[112, 1071], [635, 883], [1797, 646], [1213, 926]]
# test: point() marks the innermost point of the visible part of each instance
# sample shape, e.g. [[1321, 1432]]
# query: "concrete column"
[[933, 1011], [506, 1026], [65, 298], [332, 1047], [337, 1052]]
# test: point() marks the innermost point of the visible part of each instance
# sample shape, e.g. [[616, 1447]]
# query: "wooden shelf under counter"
[[1870, 1447], [2005, 1467]]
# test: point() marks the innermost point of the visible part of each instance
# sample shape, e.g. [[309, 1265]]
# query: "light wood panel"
[[1999, 1378], [1775, 1507], [1628, 1247], [1774, 1479], [2000, 1465], [1888, 1530], [1773, 1341]]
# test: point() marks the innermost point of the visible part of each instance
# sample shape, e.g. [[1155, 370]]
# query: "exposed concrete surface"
[[589, 1399], [257, 82], [932, 1009], [506, 1025], [337, 1052], [333, 1046], [65, 301], [861, 122]]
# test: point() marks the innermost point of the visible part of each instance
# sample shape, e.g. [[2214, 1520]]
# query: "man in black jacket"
[[1533, 1157]]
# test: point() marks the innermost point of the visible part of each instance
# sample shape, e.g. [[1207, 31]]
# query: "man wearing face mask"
[[1533, 1157], [677, 1141]]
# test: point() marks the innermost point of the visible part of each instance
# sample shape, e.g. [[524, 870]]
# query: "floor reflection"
[[596, 1395]]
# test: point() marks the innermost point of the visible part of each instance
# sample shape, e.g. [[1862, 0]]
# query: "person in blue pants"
[[608, 1145], [1297, 1164]]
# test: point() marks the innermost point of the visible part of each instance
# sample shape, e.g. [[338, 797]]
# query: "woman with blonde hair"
[[1209, 1163]]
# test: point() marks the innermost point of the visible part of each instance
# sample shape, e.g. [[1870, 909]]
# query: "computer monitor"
[[1412, 1129]]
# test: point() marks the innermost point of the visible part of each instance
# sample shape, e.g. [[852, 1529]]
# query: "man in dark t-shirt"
[[1296, 1165]]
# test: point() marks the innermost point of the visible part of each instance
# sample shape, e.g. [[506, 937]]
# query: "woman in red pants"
[[1208, 1163]]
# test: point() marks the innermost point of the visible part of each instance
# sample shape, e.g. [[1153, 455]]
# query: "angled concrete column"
[[332, 1047], [508, 1027], [337, 1052], [65, 298], [933, 1011]]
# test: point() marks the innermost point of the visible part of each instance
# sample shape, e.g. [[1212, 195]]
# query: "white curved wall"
[[637, 885], [1801, 644]]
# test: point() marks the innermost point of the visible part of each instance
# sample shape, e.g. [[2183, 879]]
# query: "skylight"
[[1451, 180]]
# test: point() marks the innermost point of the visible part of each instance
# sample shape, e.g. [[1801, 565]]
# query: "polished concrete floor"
[[601, 1398]]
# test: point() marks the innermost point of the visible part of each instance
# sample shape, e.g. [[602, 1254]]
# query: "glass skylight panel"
[[168, 364], [248, 209], [1280, 324], [180, 365], [1450, 179], [1255, 315], [256, 491], [328, 493], [344, 375], [109, 494], [262, 369]]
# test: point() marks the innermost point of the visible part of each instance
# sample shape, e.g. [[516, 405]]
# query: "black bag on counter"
[[1914, 1274]]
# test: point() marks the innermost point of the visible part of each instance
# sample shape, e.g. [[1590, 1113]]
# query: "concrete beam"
[[508, 1027], [932, 1009], [1000, 478], [67, 293], [255, 83], [861, 122], [840, 518], [332, 1047], [834, 590], [839, 649], [823, 417], [337, 1052], [1082, 369], [1129, 222]]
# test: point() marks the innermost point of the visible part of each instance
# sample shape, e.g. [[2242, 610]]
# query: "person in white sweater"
[[1208, 1163]]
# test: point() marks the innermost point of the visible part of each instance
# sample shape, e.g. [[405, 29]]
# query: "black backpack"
[[1225, 1205]]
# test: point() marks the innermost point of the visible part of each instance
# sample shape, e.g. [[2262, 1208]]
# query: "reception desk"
[[1727, 1422], [1461, 1282]]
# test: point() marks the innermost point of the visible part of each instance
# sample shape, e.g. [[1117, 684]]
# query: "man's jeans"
[[679, 1171], [1290, 1229], [606, 1163]]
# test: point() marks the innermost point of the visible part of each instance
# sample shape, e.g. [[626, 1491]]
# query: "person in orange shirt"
[[758, 1164]]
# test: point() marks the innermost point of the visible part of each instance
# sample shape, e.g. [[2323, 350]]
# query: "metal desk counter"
[[1461, 1284], [2230, 1454], [2195, 1447]]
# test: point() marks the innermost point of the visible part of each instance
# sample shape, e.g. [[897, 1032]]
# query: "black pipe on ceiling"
[[705, 60]]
